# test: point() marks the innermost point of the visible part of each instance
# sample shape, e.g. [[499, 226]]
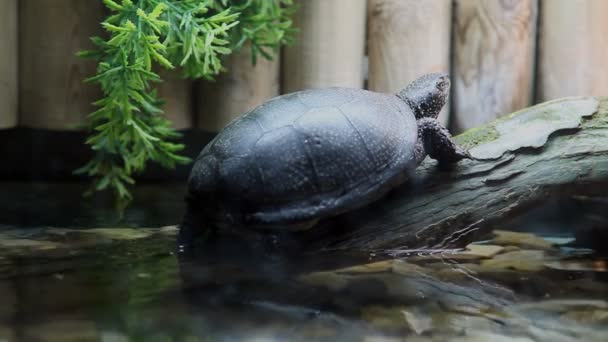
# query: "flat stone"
[[405, 268], [385, 318], [169, 230], [63, 331], [524, 260], [7, 334], [564, 305], [9, 244], [594, 316], [579, 265], [96, 235], [384, 339], [417, 323], [482, 251], [486, 336], [374, 267], [531, 127], [524, 240]]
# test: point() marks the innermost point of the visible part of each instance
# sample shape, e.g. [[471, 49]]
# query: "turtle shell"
[[304, 156]]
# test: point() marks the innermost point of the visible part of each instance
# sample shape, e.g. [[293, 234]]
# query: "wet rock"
[[375, 267], [8, 308], [579, 265], [485, 336], [417, 322], [63, 331], [169, 230], [113, 336], [384, 339], [7, 334], [119, 233], [18, 246], [385, 318], [482, 251], [524, 260], [511, 249], [564, 305], [593, 316], [97, 235], [407, 269], [523, 240]]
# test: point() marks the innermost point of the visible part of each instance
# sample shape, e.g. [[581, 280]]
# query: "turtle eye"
[[441, 85]]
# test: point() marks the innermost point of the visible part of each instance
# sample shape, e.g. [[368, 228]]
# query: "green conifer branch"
[[128, 128]]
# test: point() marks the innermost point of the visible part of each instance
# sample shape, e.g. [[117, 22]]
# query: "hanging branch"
[[128, 128]]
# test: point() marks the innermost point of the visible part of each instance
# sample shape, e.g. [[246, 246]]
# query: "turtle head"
[[427, 95]]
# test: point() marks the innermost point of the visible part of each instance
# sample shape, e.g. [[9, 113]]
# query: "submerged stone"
[[525, 260], [523, 240]]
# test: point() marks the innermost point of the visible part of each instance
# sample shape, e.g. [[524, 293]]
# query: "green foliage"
[[128, 128], [265, 24]]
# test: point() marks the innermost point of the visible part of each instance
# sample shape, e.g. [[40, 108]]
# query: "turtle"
[[317, 153]]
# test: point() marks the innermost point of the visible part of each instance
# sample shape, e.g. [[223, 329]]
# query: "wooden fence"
[[502, 56]]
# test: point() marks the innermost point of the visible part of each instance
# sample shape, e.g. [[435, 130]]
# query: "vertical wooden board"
[[494, 51], [51, 90], [8, 63], [406, 39], [242, 88], [177, 94], [573, 42], [329, 46]]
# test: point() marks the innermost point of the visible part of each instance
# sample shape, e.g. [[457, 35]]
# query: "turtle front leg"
[[438, 142]]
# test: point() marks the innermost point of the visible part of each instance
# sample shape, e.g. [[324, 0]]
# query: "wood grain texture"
[[494, 51], [406, 39], [329, 46], [51, 90], [8, 63], [573, 42], [242, 88], [177, 93]]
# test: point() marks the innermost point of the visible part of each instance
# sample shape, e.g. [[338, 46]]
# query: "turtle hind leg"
[[438, 142]]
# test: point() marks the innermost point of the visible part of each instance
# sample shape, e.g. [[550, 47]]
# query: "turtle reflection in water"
[[314, 154]]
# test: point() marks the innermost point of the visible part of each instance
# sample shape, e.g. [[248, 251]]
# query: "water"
[[63, 277]]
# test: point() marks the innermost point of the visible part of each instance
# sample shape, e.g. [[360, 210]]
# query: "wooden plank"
[[407, 38], [242, 88], [329, 46], [8, 63], [177, 94], [51, 92], [494, 51], [573, 48]]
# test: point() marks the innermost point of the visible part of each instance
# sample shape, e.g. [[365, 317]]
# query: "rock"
[[482, 251], [525, 260], [98, 235], [113, 336], [593, 316], [375, 267], [7, 334], [169, 230], [524, 240], [564, 305], [386, 319], [15, 245], [579, 265], [417, 322], [485, 336], [387, 339], [407, 269], [63, 331]]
